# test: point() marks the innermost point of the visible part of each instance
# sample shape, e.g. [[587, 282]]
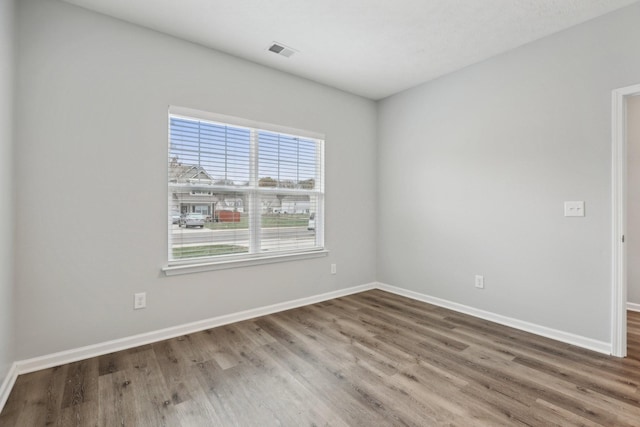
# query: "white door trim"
[[619, 219]]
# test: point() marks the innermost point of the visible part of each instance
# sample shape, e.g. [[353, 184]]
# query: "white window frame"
[[254, 257]]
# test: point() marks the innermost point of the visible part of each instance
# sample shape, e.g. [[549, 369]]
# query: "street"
[[285, 236]]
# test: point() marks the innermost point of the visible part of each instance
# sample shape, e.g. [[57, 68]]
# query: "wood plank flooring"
[[371, 359], [633, 335]]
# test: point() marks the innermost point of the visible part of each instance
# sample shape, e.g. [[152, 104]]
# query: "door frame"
[[619, 219]]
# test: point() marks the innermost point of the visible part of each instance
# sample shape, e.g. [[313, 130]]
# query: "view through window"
[[242, 192]]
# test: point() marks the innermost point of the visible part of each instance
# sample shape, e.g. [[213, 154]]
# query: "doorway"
[[620, 99], [633, 227]]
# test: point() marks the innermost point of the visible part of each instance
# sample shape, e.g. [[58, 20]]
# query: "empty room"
[[334, 213]]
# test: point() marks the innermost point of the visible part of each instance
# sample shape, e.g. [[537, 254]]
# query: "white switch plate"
[[480, 282], [139, 300], [333, 269], [574, 208]]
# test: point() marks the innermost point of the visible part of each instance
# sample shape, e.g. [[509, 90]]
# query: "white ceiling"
[[373, 48]]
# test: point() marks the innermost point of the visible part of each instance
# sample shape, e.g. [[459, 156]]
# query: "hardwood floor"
[[373, 359], [633, 335]]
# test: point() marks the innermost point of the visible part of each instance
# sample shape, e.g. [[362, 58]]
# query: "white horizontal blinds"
[[224, 152], [259, 191], [207, 163], [289, 167], [291, 227], [221, 152]]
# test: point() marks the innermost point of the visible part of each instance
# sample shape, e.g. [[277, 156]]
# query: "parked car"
[[175, 217], [192, 220], [312, 222]]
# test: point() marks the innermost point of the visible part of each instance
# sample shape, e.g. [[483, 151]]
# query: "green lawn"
[[282, 220], [207, 250], [268, 220]]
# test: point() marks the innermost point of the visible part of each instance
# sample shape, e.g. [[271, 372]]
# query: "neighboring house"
[[286, 204], [192, 190], [187, 193], [295, 205]]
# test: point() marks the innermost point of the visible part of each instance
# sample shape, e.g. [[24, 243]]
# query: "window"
[[258, 189]]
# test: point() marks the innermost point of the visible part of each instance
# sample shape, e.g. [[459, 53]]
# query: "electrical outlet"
[[333, 269], [479, 282], [139, 300], [574, 208]]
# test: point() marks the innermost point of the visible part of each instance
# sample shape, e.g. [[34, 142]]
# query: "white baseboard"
[[633, 306], [73, 355], [7, 384], [580, 341]]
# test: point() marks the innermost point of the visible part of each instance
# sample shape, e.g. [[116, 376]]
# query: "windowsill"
[[176, 269]]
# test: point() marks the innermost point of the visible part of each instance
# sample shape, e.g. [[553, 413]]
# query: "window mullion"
[[254, 196], [320, 194]]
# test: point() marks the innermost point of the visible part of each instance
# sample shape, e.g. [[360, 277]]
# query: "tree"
[[267, 182], [307, 184]]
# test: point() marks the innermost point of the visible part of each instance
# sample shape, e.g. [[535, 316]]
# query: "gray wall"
[[6, 187], [92, 97], [475, 167], [633, 202]]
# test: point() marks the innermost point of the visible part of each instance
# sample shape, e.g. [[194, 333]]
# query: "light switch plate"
[[139, 300], [575, 208]]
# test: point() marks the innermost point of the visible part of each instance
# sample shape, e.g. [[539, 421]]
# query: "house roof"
[[182, 173]]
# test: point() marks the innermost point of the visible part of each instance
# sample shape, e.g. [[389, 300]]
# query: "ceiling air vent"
[[281, 49]]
